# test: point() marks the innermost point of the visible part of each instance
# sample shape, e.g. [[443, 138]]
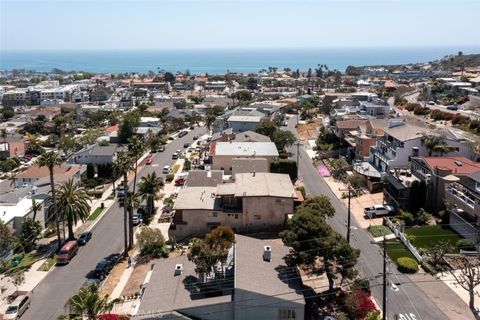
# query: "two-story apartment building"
[[96, 155], [231, 156], [253, 201], [463, 205], [241, 123]]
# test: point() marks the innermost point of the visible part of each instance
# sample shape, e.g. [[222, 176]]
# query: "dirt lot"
[[136, 280], [112, 281], [309, 130]]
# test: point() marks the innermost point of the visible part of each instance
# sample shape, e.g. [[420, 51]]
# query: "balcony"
[[462, 197]]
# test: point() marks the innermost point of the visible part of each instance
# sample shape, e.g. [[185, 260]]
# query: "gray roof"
[[166, 292], [260, 184], [475, 176], [97, 150], [203, 178], [195, 198], [250, 136], [245, 149], [406, 132], [268, 278]]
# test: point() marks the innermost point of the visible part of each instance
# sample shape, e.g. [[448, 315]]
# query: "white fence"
[[399, 234]]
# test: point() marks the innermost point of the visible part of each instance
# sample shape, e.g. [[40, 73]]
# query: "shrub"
[[407, 217], [407, 265], [169, 177], [466, 244], [358, 304], [361, 284], [423, 217], [152, 243], [285, 166]]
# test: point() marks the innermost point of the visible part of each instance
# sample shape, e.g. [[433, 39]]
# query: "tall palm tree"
[[13, 180], [73, 204], [130, 201], [36, 206], [3, 134], [50, 160], [122, 165], [148, 189], [136, 148], [89, 304]]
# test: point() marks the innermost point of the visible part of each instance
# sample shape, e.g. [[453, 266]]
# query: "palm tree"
[[122, 165], [136, 148], [3, 134], [36, 206], [89, 303], [130, 201], [209, 121], [148, 189], [73, 204], [51, 160]]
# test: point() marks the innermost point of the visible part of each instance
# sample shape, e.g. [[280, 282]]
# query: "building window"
[[286, 314], [257, 217], [236, 215]]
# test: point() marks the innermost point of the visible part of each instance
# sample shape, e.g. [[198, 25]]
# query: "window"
[[236, 215], [286, 314], [257, 217]]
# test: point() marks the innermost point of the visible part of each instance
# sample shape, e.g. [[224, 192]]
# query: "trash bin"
[[102, 205]]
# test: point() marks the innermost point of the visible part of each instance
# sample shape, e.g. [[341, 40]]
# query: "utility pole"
[[349, 218], [298, 143], [384, 317]]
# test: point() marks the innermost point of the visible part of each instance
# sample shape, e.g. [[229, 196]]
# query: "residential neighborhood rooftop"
[[239, 149], [259, 184]]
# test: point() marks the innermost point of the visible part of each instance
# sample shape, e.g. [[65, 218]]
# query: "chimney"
[[267, 253]]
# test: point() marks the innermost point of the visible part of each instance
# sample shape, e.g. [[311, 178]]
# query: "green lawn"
[[175, 168], [47, 264], [95, 214], [427, 236], [378, 231], [396, 249]]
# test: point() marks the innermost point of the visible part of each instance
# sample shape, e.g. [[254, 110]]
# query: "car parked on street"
[[182, 134], [68, 251], [18, 307], [149, 160], [137, 219], [167, 170], [84, 238], [378, 210], [161, 148]]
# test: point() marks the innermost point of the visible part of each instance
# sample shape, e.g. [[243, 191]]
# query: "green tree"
[[31, 230], [143, 107], [149, 187], [169, 77], [6, 238], [286, 167], [89, 303], [128, 126], [432, 143], [73, 204], [91, 135], [283, 139], [123, 164], [209, 120], [136, 148], [8, 113], [267, 128], [151, 243], [18, 279], [67, 144], [242, 95], [3, 135], [51, 160], [130, 201], [321, 205], [312, 239]]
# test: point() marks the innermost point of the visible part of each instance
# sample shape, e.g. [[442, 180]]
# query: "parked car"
[[167, 170], [378, 210], [68, 251], [84, 238], [195, 137], [18, 307], [149, 160], [180, 182], [101, 269], [431, 102], [175, 156], [453, 108], [186, 145], [161, 148], [120, 191], [137, 219], [182, 134]]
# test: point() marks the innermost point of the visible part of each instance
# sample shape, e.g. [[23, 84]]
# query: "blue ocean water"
[[215, 61]]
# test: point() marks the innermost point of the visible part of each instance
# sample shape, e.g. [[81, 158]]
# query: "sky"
[[166, 24]]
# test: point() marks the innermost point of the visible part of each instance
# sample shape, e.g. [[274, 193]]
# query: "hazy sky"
[[108, 24]]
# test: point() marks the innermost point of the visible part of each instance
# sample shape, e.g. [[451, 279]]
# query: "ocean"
[[217, 61]]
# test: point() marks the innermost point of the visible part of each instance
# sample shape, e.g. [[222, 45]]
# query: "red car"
[[149, 160], [180, 182]]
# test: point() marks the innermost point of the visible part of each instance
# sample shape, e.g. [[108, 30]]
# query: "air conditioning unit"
[[267, 253]]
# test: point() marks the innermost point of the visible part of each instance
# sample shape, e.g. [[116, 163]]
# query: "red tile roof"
[[467, 166]]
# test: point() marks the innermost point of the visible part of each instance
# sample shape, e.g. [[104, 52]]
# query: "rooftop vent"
[[178, 269], [267, 253], [458, 163]]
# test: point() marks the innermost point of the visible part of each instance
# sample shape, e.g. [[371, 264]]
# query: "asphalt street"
[[50, 296], [409, 299]]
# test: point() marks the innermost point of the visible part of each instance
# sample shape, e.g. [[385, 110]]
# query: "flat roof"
[[244, 119], [242, 149], [195, 198], [268, 278], [260, 184]]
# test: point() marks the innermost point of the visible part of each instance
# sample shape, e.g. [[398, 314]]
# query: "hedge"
[[466, 244], [407, 265], [169, 177], [285, 166]]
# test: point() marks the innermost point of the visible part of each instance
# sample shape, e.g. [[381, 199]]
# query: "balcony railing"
[[462, 194]]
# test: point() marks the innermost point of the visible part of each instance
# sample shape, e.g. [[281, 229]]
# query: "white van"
[[18, 307]]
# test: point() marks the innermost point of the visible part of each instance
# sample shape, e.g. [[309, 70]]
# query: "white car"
[[166, 170], [378, 210]]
